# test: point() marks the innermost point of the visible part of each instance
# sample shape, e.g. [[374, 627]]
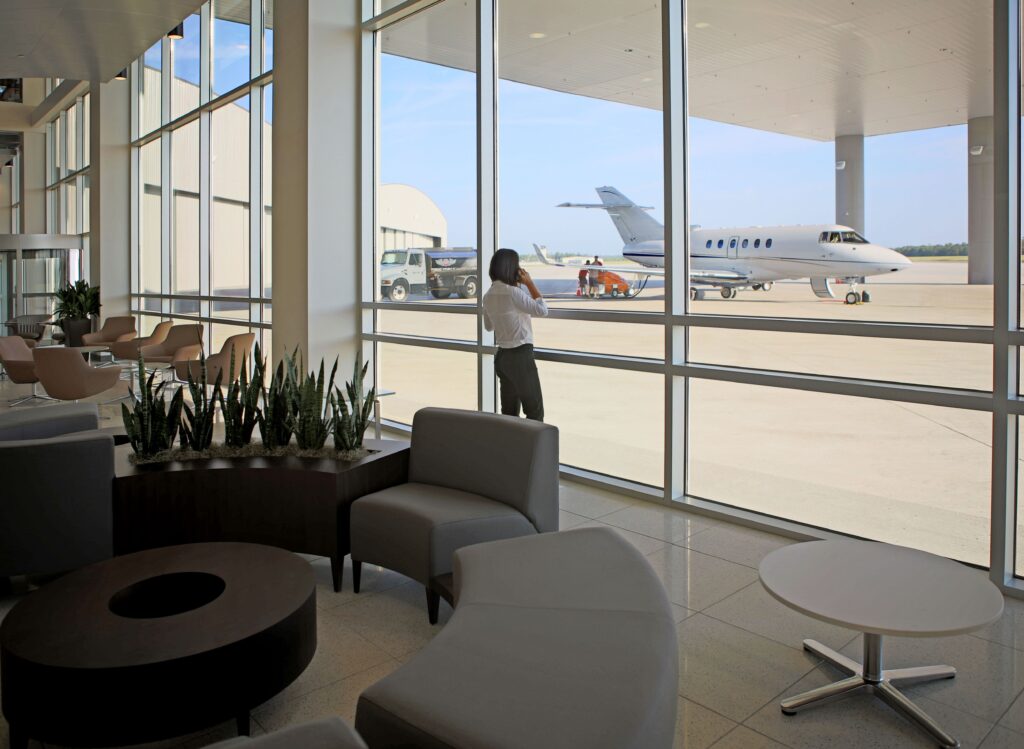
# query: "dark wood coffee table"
[[156, 644], [299, 504]]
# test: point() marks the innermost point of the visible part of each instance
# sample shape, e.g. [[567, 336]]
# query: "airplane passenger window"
[[745, 242], [732, 244], [721, 243], [708, 245], [768, 243], [757, 243]]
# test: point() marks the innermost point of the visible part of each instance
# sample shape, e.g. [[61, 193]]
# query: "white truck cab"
[[441, 271]]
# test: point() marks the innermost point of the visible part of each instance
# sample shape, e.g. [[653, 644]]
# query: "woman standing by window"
[[508, 308]]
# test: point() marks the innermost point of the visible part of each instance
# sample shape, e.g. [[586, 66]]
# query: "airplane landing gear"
[[857, 297], [696, 295], [767, 286], [728, 292]]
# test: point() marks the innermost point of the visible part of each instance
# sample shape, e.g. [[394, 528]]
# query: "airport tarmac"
[[898, 472]]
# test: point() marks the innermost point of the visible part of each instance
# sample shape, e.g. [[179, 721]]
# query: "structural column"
[[316, 190], [980, 200], [33, 182], [850, 181], [109, 194]]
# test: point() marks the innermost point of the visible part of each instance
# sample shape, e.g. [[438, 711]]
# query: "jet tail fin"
[[630, 219], [542, 253]]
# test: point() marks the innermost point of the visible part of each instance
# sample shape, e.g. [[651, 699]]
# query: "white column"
[[6, 197], [316, 190], [850, 181], [109, 194], [33, 182], [980, 200]]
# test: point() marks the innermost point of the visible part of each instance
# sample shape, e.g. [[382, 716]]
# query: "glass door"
[[42, 273]]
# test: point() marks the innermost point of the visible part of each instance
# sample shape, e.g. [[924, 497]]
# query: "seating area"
[[439, 374], [624, 625]]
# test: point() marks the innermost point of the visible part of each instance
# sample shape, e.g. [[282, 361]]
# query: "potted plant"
[[76, 304]]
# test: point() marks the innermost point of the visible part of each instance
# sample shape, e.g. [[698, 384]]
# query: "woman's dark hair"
[[505, 267]]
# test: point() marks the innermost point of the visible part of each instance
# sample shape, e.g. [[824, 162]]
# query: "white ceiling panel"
[[82, 39], [812, 68]]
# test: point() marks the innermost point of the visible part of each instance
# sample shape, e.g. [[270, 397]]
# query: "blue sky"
[[557, 147]]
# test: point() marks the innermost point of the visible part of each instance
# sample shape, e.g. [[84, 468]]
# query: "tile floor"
[[739, 650]]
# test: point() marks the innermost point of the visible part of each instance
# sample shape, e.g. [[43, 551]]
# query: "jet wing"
[[711, 277]]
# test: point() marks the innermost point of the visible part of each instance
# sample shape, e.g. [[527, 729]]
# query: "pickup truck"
[[441, 271]]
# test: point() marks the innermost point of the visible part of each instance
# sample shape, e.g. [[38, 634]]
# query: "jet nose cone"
[[890, 261]]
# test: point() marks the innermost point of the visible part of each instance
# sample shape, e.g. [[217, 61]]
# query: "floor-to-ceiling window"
[[804, 312], [67, 170], [202, 122]]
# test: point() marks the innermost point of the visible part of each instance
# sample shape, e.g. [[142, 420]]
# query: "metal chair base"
[[36, 395], [881, 682]]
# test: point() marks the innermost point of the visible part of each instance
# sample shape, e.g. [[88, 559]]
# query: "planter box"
[[299, 504]]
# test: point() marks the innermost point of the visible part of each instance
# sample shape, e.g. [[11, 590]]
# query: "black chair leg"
[[337, 570], [433, 601], [357, 570]]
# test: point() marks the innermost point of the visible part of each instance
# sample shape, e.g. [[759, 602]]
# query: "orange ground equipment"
[[612, 284]]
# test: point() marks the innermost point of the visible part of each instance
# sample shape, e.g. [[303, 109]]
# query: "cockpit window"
[[852, 237]]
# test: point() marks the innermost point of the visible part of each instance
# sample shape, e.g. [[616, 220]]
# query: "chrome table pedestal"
[[882, 682]]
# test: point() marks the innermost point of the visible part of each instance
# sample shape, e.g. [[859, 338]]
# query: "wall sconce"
[[976, 150], [840, 166], [178, 32], [122, 76]]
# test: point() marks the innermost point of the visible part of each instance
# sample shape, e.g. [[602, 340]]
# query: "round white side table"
[[879, 589]]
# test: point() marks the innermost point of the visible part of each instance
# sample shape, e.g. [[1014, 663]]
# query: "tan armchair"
[[183, 342], [16, 356], [240, 344], [67, 377], [114, 330], [130, 349]]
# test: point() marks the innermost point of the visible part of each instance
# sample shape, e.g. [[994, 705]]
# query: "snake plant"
[[197, 427], [151, 424], [311, 420], [241, 403], [350, 423]]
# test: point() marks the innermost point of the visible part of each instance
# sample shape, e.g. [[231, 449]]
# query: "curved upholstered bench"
[[557, 640]]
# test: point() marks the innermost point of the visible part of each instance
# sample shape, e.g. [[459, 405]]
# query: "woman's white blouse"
[[507, 311]]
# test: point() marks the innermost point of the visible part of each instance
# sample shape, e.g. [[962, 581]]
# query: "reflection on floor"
[[739, 650]]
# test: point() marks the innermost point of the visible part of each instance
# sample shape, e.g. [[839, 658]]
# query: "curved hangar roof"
[[809, 68]]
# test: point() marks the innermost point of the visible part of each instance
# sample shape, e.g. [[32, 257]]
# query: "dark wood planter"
[[74, 330], [299, 504]]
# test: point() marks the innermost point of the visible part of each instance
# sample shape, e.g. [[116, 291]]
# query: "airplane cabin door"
[[734, 243]]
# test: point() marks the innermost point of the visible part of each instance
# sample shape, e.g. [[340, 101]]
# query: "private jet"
[[749, 257]]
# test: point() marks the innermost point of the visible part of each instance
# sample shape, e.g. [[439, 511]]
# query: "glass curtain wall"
[[803, 307], [67, 172], [202, 150]]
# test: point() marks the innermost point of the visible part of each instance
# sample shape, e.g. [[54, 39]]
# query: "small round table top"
[[881, 588]]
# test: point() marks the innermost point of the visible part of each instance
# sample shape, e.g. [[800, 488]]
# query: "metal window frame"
[[168, 125], [1005, 337]]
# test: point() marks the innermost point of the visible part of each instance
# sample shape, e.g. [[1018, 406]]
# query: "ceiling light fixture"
[[178, 32], [702, 25], [538, 35], [122, 76], [977, 150]]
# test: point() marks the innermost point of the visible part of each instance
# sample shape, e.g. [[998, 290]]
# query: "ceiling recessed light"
[[538, 35], [702, 25], [646, 80]]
